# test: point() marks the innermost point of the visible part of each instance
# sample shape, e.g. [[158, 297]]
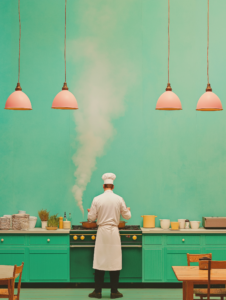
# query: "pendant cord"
[[168, 36], [65, 40], [208, 24], [19, 41]]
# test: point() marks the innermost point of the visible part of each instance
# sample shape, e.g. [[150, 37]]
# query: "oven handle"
[[90, 246]]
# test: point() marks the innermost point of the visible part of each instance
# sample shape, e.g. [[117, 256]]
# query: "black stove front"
[[128, 227]]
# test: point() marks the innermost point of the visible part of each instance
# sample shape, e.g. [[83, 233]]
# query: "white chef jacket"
[[106, 208]]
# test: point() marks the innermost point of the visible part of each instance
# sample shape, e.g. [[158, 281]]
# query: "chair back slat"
[[195, 257], [218, 264]]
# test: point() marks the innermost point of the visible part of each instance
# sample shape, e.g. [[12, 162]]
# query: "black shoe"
[[95, 295], [116, 295]]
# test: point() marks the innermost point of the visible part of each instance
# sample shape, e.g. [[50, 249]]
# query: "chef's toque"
[[108, 178]]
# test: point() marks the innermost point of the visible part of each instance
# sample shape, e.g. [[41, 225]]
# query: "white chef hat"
[[108, 178]]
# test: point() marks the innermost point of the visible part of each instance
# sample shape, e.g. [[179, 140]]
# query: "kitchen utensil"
[[88, 224], [51, 228], [214, 222], [165, 223], [122, 224], [175, 225], [181, 223], [194, 224], [67, 224], [32, 222], [186, 224], [149, 221], [22, 212]]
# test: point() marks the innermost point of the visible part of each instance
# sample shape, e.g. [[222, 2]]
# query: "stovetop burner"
[[128, 227]]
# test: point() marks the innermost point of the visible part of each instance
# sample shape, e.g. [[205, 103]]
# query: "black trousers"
[[99, 280]]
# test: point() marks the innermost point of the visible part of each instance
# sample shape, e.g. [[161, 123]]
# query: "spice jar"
[[186, 224], [60, 222]]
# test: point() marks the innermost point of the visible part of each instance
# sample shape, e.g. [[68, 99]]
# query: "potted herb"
[[44, 216], [53, 223]]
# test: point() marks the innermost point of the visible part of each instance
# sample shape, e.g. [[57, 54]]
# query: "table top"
[[6, 272], [192, 273]]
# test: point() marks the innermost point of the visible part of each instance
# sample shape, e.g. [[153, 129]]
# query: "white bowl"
[[22, 212], [195, 224], [165, 223], [32, 222]]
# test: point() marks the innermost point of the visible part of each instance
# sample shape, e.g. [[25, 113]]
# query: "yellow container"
[[61, 223], [149, 221], [175, 225]]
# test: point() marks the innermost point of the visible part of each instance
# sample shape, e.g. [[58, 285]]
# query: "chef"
[[106, 209]]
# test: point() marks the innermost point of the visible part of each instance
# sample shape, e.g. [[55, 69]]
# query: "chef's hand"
[[88, 209], [128, 208]]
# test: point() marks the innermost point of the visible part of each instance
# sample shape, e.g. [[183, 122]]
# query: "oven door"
[[81, 264]]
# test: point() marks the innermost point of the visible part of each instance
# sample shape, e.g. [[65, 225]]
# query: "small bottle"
[[61, 223], [70, 219], [65, 217], [186, 224]]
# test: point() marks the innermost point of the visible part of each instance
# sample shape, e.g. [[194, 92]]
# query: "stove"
[[131, 236]]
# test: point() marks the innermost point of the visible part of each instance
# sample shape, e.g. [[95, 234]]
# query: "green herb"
[[43, 215], [53, 221]]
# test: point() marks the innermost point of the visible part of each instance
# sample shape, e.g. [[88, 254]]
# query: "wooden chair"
[[214, 292], [4, 293], [195, 257]]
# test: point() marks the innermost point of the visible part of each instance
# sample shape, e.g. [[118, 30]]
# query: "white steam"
[[100, 93]]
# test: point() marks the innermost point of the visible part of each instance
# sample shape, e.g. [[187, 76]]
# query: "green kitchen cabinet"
[[153, 264], [176, 256], [48, 265], [218, 253]]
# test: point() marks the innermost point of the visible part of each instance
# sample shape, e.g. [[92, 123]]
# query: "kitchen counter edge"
[[182, 231], [36, 231]]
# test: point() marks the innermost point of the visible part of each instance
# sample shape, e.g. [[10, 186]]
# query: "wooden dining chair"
[[196, 257], [214, 292], [4, 293]]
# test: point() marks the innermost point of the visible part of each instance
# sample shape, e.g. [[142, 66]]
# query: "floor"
[[69, 294]]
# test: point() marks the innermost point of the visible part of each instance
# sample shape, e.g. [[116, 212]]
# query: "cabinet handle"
[[48, 240], [2, 240], [183, 240]]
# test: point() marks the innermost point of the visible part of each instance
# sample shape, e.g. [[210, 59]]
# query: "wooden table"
[[6, 277], [192, 275]]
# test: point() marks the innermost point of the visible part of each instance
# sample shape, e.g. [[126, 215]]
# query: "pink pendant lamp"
[[208, 101], [168, 100], [65, 99], [18, 100]]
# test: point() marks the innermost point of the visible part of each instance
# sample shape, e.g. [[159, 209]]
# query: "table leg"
[[189, 290], [184, 289], [11, 288]]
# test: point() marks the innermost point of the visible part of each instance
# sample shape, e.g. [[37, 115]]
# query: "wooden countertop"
[[36, 231], [201, 230]]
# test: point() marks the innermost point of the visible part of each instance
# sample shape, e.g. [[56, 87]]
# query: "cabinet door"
[[218, 253], [177, 257], [14, 256], [48, 265], [152, 264], [131, 265]]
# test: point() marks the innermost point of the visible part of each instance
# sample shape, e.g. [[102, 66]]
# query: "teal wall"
[[168, 163]]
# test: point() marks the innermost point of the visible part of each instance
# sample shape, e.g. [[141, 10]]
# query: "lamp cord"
[[65, 40], [208, 12], [168, 36], [19, 41]]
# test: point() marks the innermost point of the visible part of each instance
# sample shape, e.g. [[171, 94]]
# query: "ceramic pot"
[[195, 224], [44, 224], [175, 225], [165, 223], [181, 223], [149, 221]]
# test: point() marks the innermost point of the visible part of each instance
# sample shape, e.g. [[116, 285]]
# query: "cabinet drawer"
[[11, 240], [49, 240], [153, 239], [215, 239], [183, 240]]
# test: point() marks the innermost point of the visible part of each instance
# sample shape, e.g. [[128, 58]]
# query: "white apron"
[[108, 252], [106, 209]]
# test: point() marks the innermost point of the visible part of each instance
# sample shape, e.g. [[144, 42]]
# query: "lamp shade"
[[65, 100], [168, 101], [18, 100], [209, 102]]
